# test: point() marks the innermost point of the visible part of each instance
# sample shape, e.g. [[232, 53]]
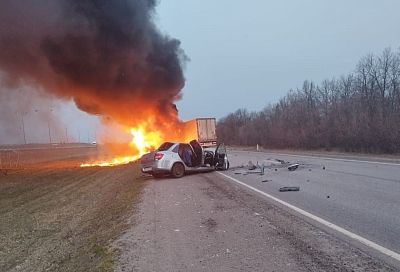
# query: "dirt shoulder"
[[63, 218], [205, 223]]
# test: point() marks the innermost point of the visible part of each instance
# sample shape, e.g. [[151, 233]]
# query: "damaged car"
[[177, 159]]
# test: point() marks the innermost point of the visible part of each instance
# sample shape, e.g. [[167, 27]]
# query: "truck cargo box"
[[203, 130]]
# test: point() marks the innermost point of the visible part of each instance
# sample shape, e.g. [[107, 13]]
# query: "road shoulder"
[[205, 223]]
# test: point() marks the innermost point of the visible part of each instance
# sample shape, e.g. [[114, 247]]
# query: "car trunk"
[[147, 158]]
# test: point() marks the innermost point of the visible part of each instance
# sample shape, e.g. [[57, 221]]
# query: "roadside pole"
[[48, 125], [23, 127], [66, 135]]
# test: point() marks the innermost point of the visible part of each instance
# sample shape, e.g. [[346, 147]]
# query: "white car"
[[180, 158]]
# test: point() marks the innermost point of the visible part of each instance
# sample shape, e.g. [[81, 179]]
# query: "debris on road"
[[251, 169], [261, 172], [266, 180], [293, 167], [251, 166], [323, 167], [289, 189], [281, 161]]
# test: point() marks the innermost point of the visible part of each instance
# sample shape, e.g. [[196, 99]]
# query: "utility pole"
[[23, 127], [48, 125], [66, 135]]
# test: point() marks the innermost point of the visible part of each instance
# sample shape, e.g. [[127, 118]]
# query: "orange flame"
[[142, 140], [148, 136]]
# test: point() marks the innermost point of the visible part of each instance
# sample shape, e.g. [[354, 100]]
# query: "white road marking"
[[324, 158], [324, 222]]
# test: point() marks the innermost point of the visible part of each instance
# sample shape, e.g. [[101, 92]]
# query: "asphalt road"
[[208, 222], [360, 196]]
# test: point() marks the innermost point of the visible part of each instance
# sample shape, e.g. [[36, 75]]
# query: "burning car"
[[180, 158]]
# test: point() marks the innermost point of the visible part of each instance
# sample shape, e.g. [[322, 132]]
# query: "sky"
[[247, 54]]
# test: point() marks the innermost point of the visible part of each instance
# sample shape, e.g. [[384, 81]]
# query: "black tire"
[[178, 170]]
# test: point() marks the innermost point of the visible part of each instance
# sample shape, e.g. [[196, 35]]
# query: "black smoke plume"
[[108, 56]]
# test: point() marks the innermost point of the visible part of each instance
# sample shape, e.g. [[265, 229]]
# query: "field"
[[56, 216]]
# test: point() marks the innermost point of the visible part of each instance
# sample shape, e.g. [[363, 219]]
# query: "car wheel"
[[178, 170]]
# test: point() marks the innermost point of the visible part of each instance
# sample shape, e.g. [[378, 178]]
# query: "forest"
[[357, 112]]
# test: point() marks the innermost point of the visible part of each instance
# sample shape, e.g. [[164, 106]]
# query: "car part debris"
[[251, 166], [289, 189], [266, 180], [260, 172], [281, 161], [255, 172], [293, 167]]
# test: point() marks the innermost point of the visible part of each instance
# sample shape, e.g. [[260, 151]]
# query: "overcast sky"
[[248, 55]]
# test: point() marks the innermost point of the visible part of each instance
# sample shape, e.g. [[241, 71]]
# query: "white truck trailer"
[[203, 130]]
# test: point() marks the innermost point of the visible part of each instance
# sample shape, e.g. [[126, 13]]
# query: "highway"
[[344, 218], [358, 195]]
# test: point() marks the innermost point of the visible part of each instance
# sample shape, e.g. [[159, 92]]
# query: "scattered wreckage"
[[289, 189], [252, 168]]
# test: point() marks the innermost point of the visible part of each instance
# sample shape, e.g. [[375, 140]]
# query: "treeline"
[[357, 112]]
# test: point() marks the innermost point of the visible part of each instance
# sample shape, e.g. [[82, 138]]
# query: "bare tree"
[[357, 112]]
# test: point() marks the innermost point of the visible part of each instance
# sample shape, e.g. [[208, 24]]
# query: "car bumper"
[[156, 167]]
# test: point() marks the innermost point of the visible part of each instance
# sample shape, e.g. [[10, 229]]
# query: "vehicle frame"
[[167, 160]]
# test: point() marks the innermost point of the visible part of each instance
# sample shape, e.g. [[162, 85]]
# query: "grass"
[[65, 219]]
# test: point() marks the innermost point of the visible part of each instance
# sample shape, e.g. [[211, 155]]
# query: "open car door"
[[198, 153], [221, 158]]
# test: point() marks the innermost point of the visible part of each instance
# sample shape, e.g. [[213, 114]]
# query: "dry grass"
[[64, 218]]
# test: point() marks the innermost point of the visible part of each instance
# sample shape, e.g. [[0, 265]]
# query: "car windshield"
[[165, 146]]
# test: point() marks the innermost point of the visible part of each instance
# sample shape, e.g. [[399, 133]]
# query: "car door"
[[184, 154], [221, 157], [198, 153]]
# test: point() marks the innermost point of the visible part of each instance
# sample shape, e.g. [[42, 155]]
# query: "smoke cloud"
[[108, 56]]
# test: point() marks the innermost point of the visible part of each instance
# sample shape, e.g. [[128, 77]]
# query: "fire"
[[148, 136], [143, 141]]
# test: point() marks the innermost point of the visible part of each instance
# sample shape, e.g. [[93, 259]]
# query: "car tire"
[[178, 170]]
